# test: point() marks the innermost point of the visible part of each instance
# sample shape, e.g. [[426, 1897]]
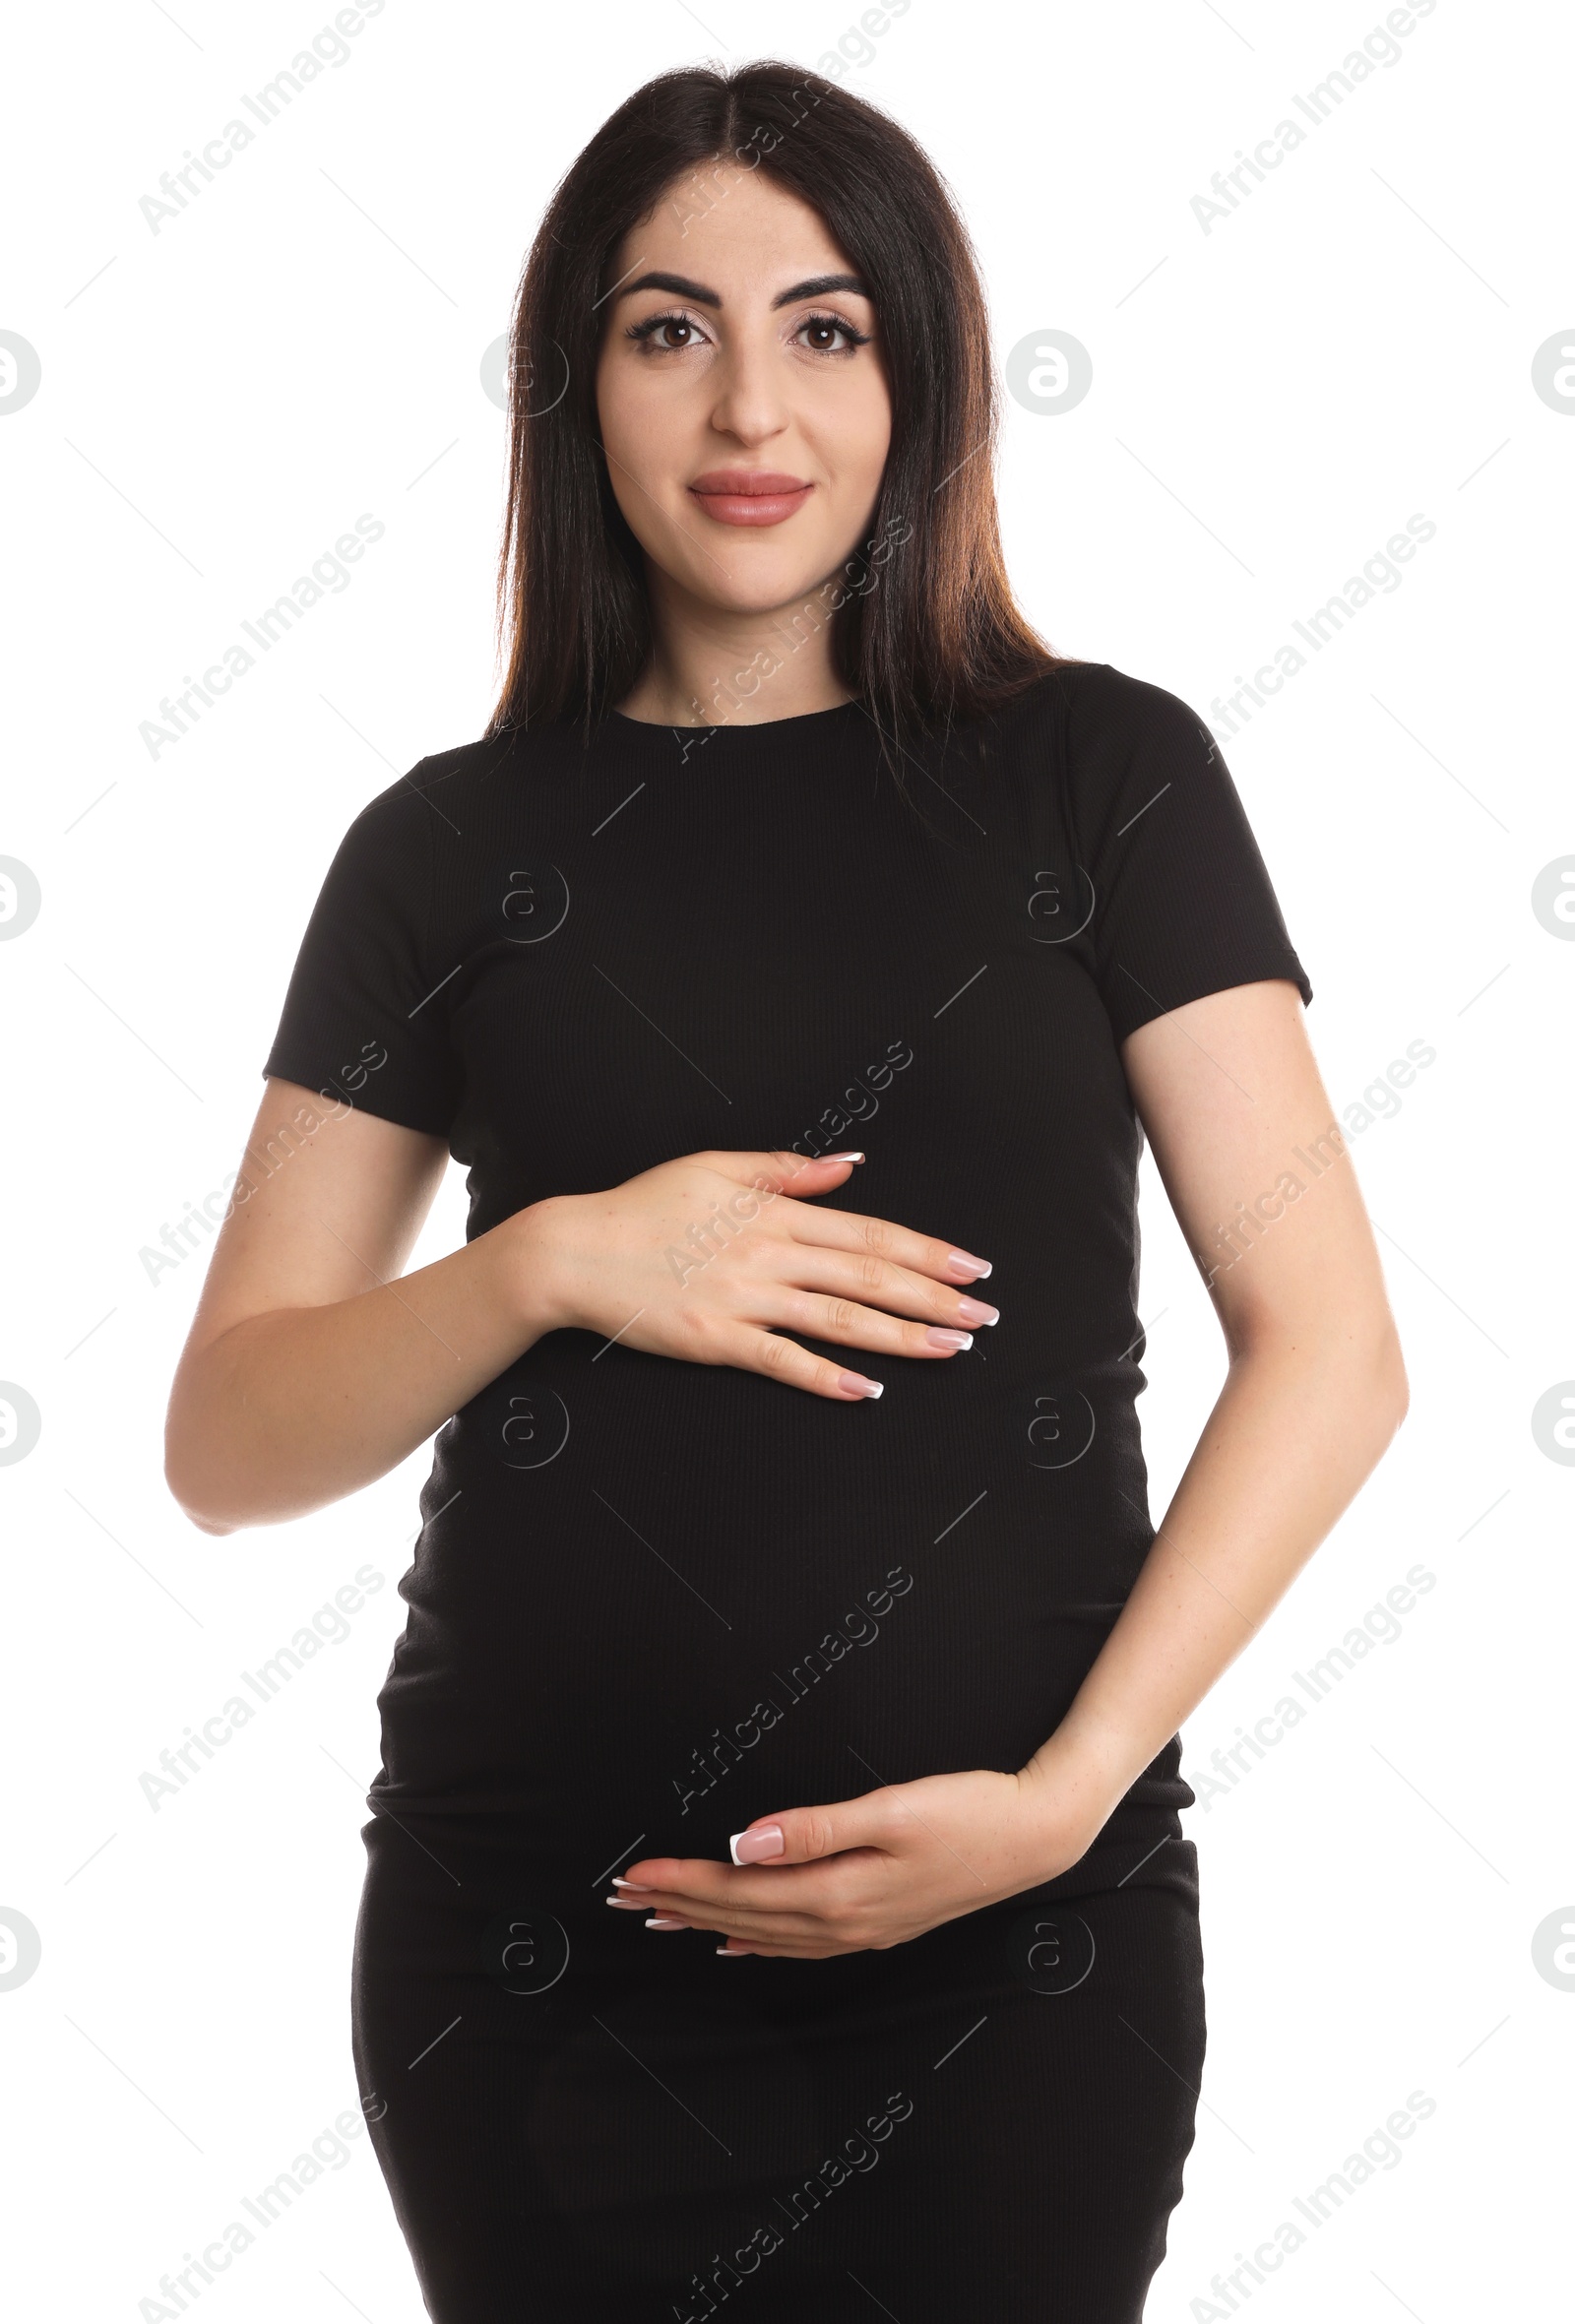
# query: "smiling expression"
[[742, 397]]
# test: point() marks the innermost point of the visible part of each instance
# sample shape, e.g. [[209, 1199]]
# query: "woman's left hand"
[[869, 1872]]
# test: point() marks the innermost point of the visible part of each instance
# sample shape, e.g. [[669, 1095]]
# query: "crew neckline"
[[801, 722]]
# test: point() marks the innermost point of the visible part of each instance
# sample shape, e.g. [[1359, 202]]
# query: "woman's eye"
[[823, 330], [653, 332], [676, 335]]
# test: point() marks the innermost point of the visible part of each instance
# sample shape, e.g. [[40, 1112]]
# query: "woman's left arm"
[[1245, 1141], [1236, 1111]]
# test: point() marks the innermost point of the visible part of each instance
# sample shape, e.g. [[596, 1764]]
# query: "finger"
[[795, 1900], [755, 1929], [734, 1950], [816, 1947], [780, 1171], [796, 1932], [880, 1238], [798, 1907], [804, 1935], [769, 1847], [695, 1885], [876, 1283], [810, 1835], [847, 1325], [750, 1350]]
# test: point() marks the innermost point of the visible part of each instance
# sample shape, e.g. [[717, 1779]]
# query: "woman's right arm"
[[309, 1370], [313, 1367]]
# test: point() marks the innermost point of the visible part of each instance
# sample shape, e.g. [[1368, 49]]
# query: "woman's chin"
[[761, 585]]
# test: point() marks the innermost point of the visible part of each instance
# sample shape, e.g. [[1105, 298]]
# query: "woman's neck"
[[712, 667]]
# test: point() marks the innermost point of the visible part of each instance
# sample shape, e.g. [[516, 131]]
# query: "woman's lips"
[[733, 496]]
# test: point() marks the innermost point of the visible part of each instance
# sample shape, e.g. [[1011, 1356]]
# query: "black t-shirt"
[[661, 1599]]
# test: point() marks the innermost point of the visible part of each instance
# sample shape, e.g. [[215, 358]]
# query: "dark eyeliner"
[[850, 331], [653, 323], [650, 325]]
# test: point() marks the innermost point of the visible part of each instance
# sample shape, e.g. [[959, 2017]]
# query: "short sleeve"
[[363, 1018], [1181, 901]]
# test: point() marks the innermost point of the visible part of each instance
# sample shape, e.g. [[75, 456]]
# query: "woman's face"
[[741, 393]]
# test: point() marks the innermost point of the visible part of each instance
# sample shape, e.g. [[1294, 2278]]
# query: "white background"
[[1271, 401]]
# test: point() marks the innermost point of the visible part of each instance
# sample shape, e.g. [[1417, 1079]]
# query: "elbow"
[[1389, 1382], [190, 1481], [193, 1505], [214, 1488], [1381, 1399], [1367, 1375], [1357, 1358], [207, 1525]]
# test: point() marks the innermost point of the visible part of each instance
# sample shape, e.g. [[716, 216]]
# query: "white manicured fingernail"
[[662, 1920], [854, 1384], [842, 1157], [756, 1843], [965, 1264]]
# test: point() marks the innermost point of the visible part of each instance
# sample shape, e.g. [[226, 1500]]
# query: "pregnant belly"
[[672, 1601]]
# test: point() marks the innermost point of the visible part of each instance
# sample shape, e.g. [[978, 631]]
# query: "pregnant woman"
[[776, 1899]]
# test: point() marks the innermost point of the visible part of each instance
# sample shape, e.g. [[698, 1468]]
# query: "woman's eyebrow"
[[682, 286], [821, 287]]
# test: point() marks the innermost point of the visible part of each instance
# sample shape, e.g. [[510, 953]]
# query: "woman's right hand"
[[713, 1257]]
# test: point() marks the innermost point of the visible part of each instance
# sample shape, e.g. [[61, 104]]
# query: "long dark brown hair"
[[934, 636]]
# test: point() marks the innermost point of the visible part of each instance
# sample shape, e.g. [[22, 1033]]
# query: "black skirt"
[[605, 2122]]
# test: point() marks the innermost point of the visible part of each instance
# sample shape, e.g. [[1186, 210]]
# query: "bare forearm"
[[294, 1407], [1287, 1447]]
